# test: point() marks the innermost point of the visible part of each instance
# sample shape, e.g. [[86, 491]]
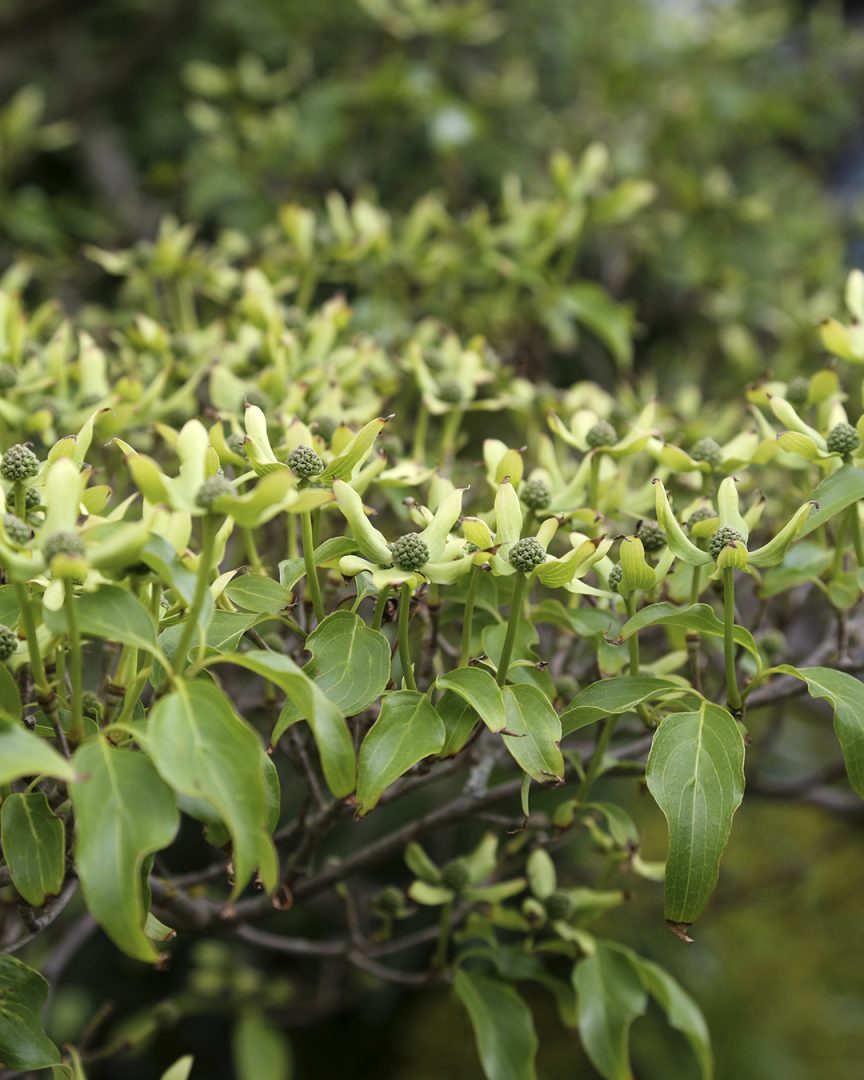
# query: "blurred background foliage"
[[557, 176]]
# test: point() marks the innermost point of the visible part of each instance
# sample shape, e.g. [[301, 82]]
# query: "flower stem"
[[596, 759], [312, 581], [732, 692], [633, 643], [45, 694], [202, 584], [594, 481], [443, 935], [380, 606], [404, 649], [520, 587], [858, 545], [73, 637], [468, 616]]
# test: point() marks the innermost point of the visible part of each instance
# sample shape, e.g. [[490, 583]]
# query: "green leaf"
[[610, 997], [535, 732], [180, 1070], [111, 613], [258, 593], [846, 694], [24, 754], [357, 450], [9, 607], [407, 730], [329, 729], [502, 1023], [681, 1010], [477, 687], [204, 750], [34, 846], [223, 635], [459, 719], [697, 618], [833, 495], [696, 774], [611, 697], [351, 661], [260, 1050], [10, 696], [158, 554], [123, 813], [23, 1042]]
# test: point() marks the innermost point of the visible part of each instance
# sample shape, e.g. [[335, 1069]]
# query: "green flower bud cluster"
[[702, 514], [409, 552], [526, 554], [213, 488], [8, 376], [18, 531], [64, 542], [601, 434], [304, 462], [8, 642], [558, 906], [19, 463], [724, 537], [535, 494], [615, 575], [652, 536], [707, 450], [455, 875], [450, 391], [798, 391], [843, 439]]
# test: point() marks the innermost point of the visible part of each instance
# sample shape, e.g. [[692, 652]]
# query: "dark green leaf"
[[535, 733], [24, 754], [681, 1010], [476, 686], [23, 1042], [699, 618], [502, 1023], [111, 613], [258, 593], [34, 846], [610, 697], [610, 997], [260, 1050], [834, 494]]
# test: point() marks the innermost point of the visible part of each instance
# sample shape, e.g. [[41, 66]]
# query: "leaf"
[[698, 618], [111, 613], [10, 696], [696, 774], [23, 1042], [34, 846], [204, 750], [477, 687], [407, 730], [502, 1023], [24, 754], [610, 697], [459, 719], [180, 1070], [833, 495], [681, 1010], [260, 1050], [536, 733], [123, 813], [610, 997], [224, 632], [329, 729], [258, 593], [357, 450], [351, 661], [846, 694]]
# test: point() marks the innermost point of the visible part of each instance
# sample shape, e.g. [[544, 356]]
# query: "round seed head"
[[64, 542], [615, 575], [8, 376], [707, 450], [305, 462], [601, 434], [390, 901], [17, 530], [32, 499], [652, 536], [19, 463], [843, 439], [526, 554], [535, 494], [702, 514], [409, 552], [450, 391], [559, 906], [798, 391], [213, 488], [455, 875], [8, 642], [723, 538]]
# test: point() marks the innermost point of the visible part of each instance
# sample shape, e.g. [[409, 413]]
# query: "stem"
[[404, 649], [44, 691], [20, 499], [73, 637], [594, 481], [520, 587], [449, 433], [468, 616], [855, 522], [734, 697], [421, 430], [633, 643], [695, 584], [252, 551], [312, 581], [443, 935], [202, 584], [596, 758], [839, 545], [380, 606]]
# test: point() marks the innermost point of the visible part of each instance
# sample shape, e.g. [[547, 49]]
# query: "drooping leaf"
[[459, 719], [24, 754], [10, 696], [33, 841], [535, 732], [502, 1023], [407, 730], [681, 1010], [611, 697], [111, 613], [23, 1042], [610, 996], [124, 812], [477, 687], [258, 593], [833, 495], [846, 694], [326, 721], [696, 774], [699, 618], [204, 750]]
